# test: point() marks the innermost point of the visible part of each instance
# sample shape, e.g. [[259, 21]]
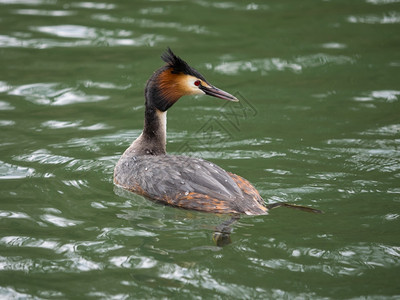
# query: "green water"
[[318, 124]]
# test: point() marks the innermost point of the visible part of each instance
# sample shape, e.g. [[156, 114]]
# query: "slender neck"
[[153, 139], [155, 130]]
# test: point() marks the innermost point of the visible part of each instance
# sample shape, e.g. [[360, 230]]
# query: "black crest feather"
[[179, 65]]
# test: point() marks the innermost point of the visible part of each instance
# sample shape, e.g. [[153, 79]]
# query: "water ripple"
[[150, 23], [4, 86], [43, 156], [226, 154], [152, 11], [392, 17], [13, 215], [389, 131], [103, 165], [370, 155], [6, 106], [59, 221], [70, 258], [278, 64], [121, 138], [127, 232], [29, 2], [94, 5], [351, 260], [80, 32], [384, 95], [42, 12], [9, 171], [76, 36], [10, 293], [232, 5], [16, 263], [380, 2], [104, 85], [136, 262], [334, 45], [25, 241], [54, 94], [7, 123], [55, 124]]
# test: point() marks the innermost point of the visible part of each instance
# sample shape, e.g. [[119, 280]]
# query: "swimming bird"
[[191, 183]]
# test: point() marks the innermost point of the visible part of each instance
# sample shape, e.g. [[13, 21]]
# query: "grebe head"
[[177, 79]]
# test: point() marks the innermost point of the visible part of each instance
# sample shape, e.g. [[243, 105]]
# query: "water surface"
[[318, 124]]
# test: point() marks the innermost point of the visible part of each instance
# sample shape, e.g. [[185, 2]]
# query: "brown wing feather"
[[250, 191]]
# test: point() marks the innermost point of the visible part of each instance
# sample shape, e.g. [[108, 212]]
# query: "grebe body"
[[180, 181], [189, 183]]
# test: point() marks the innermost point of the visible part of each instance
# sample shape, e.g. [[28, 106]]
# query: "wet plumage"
[[189, 183]]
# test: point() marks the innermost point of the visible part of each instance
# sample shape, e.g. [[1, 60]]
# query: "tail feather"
[[295, 206]]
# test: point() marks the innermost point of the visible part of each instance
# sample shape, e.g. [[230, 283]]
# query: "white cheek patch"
[[192, 87]]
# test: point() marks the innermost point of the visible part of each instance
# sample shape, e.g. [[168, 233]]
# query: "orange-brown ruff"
[[180, 181]]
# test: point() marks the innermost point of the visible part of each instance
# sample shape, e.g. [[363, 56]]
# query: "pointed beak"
[[216, 92]]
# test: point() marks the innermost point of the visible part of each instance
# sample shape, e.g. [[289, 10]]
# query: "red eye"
[[197, 82]]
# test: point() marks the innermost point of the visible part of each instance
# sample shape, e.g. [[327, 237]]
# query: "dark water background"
[[318, 124]]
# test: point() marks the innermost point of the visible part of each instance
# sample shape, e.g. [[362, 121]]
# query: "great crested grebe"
[[181, 181]]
